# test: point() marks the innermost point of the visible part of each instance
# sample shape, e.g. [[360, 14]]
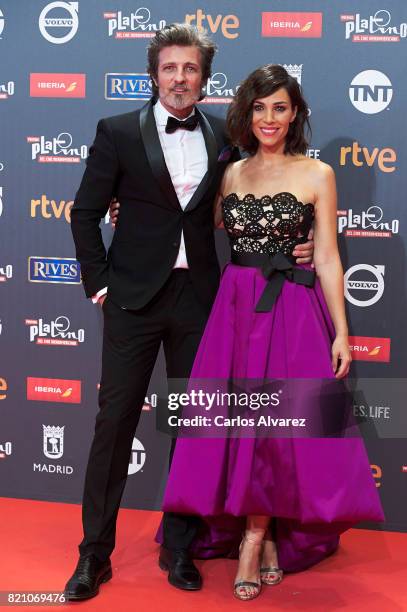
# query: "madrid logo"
[[371, 92], [53, 441], [58, 22], [358, 285]]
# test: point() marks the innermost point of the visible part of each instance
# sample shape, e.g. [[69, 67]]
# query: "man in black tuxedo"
[[157, 282]]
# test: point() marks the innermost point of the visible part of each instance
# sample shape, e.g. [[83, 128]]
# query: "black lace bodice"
[[268, 224]]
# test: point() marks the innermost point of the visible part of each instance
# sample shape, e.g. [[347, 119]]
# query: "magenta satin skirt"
[[315, 487]]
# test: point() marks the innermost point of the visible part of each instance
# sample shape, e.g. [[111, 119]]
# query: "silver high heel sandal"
[[270, 575], [246, 590]]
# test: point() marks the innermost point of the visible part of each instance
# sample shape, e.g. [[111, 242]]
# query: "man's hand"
[[305, 252], [114, 212]]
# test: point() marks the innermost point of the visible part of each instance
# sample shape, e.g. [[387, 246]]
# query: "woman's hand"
[[114, 212], [341, 356]]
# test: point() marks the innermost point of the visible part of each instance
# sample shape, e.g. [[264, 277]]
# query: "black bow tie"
[[174, 124]]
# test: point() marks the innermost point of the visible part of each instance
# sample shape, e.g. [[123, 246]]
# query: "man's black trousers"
[[131, 341]]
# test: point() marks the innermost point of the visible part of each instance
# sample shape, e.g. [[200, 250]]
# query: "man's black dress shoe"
[[88, 575], [182, 572]]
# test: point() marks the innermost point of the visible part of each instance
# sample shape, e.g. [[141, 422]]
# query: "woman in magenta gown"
[[291, 497]]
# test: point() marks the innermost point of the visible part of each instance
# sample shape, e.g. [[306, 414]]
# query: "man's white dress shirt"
[[187, 161]]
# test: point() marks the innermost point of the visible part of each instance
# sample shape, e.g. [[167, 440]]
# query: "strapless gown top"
[[269, 224]]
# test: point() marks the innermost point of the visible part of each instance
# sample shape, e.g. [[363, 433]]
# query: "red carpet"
[[38, 551]]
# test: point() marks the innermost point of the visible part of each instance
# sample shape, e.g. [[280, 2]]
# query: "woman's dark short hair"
[[263, 82], [183, 35]]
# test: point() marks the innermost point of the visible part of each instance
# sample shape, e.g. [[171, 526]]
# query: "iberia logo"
[[364, 348], [54, 390], [292, 25], [57, 85]]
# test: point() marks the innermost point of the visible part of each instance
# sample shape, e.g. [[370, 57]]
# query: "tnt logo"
[[138, 457], [371, 92]]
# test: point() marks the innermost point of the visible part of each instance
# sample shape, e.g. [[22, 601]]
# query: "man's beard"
[[181, 100]]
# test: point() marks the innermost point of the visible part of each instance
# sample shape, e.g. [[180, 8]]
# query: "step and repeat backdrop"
[[63, 66]]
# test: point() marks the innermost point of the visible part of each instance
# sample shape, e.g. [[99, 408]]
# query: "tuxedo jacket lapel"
[[155, 155], [212, 150]]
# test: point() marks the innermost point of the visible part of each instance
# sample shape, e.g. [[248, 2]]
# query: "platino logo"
[[138, 457], [371, 92], [135, 25], [58, 149], [7, 90], [6, 272], [217, 91], [64, 17], [364, 285], [55, 333], [376, 28], [368, 223], [6, 448]]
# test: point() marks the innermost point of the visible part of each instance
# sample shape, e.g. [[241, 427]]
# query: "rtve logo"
[[51, 208], [377, 474], [360, 156], [371, 92], [224, 23], [3, 388]]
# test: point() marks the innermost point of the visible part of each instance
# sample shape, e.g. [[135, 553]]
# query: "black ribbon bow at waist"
[[276, 269], [174, 124]]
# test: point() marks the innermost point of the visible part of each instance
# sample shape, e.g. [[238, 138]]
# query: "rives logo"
[[128, 86], [292, 25], [57, 85], [361, 156], [227, 24], [54, 390], [365, 348], [137, 24], [55, 333], [58, 22], [51, 208], [53, 270]]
